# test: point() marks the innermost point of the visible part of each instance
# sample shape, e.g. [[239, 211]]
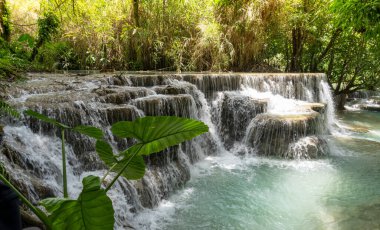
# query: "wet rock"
[[166, 172], [115, 114], [211, 83], [371, 107], [46, 83], [59, 97], [375, 100], [121, 95], [15, 153], [236, 113], [170, 90], [141, 79], [271, 135], [101, 100], [167, 105], [30, 220], [317, 107], [295, 86], [357, 128], [310, 147], [152, 80], [364, 94]]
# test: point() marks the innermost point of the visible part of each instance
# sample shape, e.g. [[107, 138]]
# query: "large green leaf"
[[158, 133], [89, 131], [105, 153], [45, 118], [92, 211], [136, 165]]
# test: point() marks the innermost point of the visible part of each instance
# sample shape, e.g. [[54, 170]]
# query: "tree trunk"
[[297, 44], [35, 50], [340, 101], [136, 12], [5, 32]]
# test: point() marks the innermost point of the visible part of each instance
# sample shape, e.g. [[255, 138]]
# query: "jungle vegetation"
[[338, 37]]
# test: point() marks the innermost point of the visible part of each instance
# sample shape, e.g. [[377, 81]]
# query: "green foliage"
[[136, 165], [10, 67], [5, 108], [26, 38], [155, 134], [85, 130], [205, 35], [47, 26], [5, 27], [3, 172], [357, 15], [89, 131], [56, 56], [91, 211]]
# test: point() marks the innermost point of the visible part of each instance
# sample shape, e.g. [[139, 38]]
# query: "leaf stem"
[[64, 173], [108, 172], [122, 170], [39, 213]]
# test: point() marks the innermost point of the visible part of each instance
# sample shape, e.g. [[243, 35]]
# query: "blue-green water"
[[341, 191]]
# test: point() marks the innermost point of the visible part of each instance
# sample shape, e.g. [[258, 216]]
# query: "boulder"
[[235, 113], [272, 134], [309, 147]]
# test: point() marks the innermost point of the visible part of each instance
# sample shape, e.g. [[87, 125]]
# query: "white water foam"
[[277, 104]]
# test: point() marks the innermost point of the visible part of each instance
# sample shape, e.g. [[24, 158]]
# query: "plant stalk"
[[122, 170], [64, 173], [39, 213], [108, 172]]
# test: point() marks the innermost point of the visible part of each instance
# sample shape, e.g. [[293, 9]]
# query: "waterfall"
[[364, 100], [275, 115]]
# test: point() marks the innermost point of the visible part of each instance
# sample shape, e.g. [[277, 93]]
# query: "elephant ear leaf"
[[92, 210], [89, 131], [155, 134], [135, 169]]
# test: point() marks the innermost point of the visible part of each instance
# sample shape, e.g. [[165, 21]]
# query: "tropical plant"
[[93, 208]]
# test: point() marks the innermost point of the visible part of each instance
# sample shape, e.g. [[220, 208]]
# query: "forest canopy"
[[338, 37]]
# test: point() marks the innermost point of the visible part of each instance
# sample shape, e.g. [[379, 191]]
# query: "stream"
[[341, 191], [277, 156]]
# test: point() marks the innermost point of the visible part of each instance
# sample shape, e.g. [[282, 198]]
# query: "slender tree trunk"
[[297, 44], [136, 12], [287, 56], [330, 66], [35, 51], [5, 32]]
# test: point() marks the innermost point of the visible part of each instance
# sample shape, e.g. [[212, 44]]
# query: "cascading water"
[[283, 115]]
